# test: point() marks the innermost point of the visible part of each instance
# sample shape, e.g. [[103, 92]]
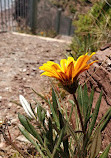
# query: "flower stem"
[[79, 113]]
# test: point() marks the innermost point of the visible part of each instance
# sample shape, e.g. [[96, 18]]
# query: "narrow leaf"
[[90, 103], [80, 97], [41, 96], [30, 138], [30, 128], [96, 144], [94, 116], [85, 102], [70, 131], [49, 135], [54, 99], [23, 121], [104, 120], [87, 118], [106, 151], [58, 142], [56, 119], [35, 133]]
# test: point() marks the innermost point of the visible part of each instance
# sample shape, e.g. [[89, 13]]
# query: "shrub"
[[93, 29]]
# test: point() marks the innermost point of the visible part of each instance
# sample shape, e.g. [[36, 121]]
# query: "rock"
[[24, 70], [0, 98], [99, 76]]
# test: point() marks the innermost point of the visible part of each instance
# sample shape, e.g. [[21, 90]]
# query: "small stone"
[[8, 89], [24, 79], [10, 104], [34, 69], [32, 74], [24, 70], [22, 139], [0, 98], [14, 121]]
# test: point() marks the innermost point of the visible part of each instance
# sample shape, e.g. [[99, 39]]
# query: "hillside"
[[72, 8]]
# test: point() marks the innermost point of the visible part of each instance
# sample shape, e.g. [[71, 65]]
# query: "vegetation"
[[93, 29], [52, 133], [71, 6]]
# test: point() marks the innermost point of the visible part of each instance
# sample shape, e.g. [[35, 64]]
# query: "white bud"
[[26, 106]]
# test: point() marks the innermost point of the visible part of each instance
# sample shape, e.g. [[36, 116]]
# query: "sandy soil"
[[20, 58]]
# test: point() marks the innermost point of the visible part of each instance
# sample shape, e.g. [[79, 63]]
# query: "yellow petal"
[[93, 62], [79, 62], [63, 76], [69, 60], [56, 66], [70, 70], [82, 61], [63, 64], [50, 75]]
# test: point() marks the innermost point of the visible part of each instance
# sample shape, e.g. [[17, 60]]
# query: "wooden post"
[[69, 28], [34, 8], [58, 20]]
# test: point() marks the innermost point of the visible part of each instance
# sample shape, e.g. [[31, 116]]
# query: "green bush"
[[93, 29]]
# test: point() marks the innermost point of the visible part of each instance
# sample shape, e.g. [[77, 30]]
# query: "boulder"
[[99, 77]]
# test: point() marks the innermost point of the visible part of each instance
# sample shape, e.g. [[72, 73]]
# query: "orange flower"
[[68, 70]]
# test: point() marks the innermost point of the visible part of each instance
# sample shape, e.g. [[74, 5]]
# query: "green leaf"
[[41, 112], [94, 116], [49, 135], [106, 120], [80, 97], [46, 147], [72, 102], [71, 113], [30, 128], [59, 140], [30, 138], [54, 99], [35, 133], [70, 131], [24, 122], [106, 151], [77, 119], [108, 113], [55, 117], [58, 95], [90, 103], [96, 144], [85, 102], [89, 109], [41, 96]]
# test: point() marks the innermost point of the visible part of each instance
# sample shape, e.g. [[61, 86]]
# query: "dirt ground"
[[20, 58]]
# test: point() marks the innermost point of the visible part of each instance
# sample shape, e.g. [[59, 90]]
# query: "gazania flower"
[[68, 70]]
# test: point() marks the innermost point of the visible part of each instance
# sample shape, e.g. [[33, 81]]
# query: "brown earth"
[[20, 58]]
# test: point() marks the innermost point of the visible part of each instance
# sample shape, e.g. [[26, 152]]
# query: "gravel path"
[[20, 58]]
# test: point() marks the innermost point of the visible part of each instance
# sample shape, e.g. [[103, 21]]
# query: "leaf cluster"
[[55, 137]]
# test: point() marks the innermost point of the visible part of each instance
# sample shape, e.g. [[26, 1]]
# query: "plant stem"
[[79, 113]]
